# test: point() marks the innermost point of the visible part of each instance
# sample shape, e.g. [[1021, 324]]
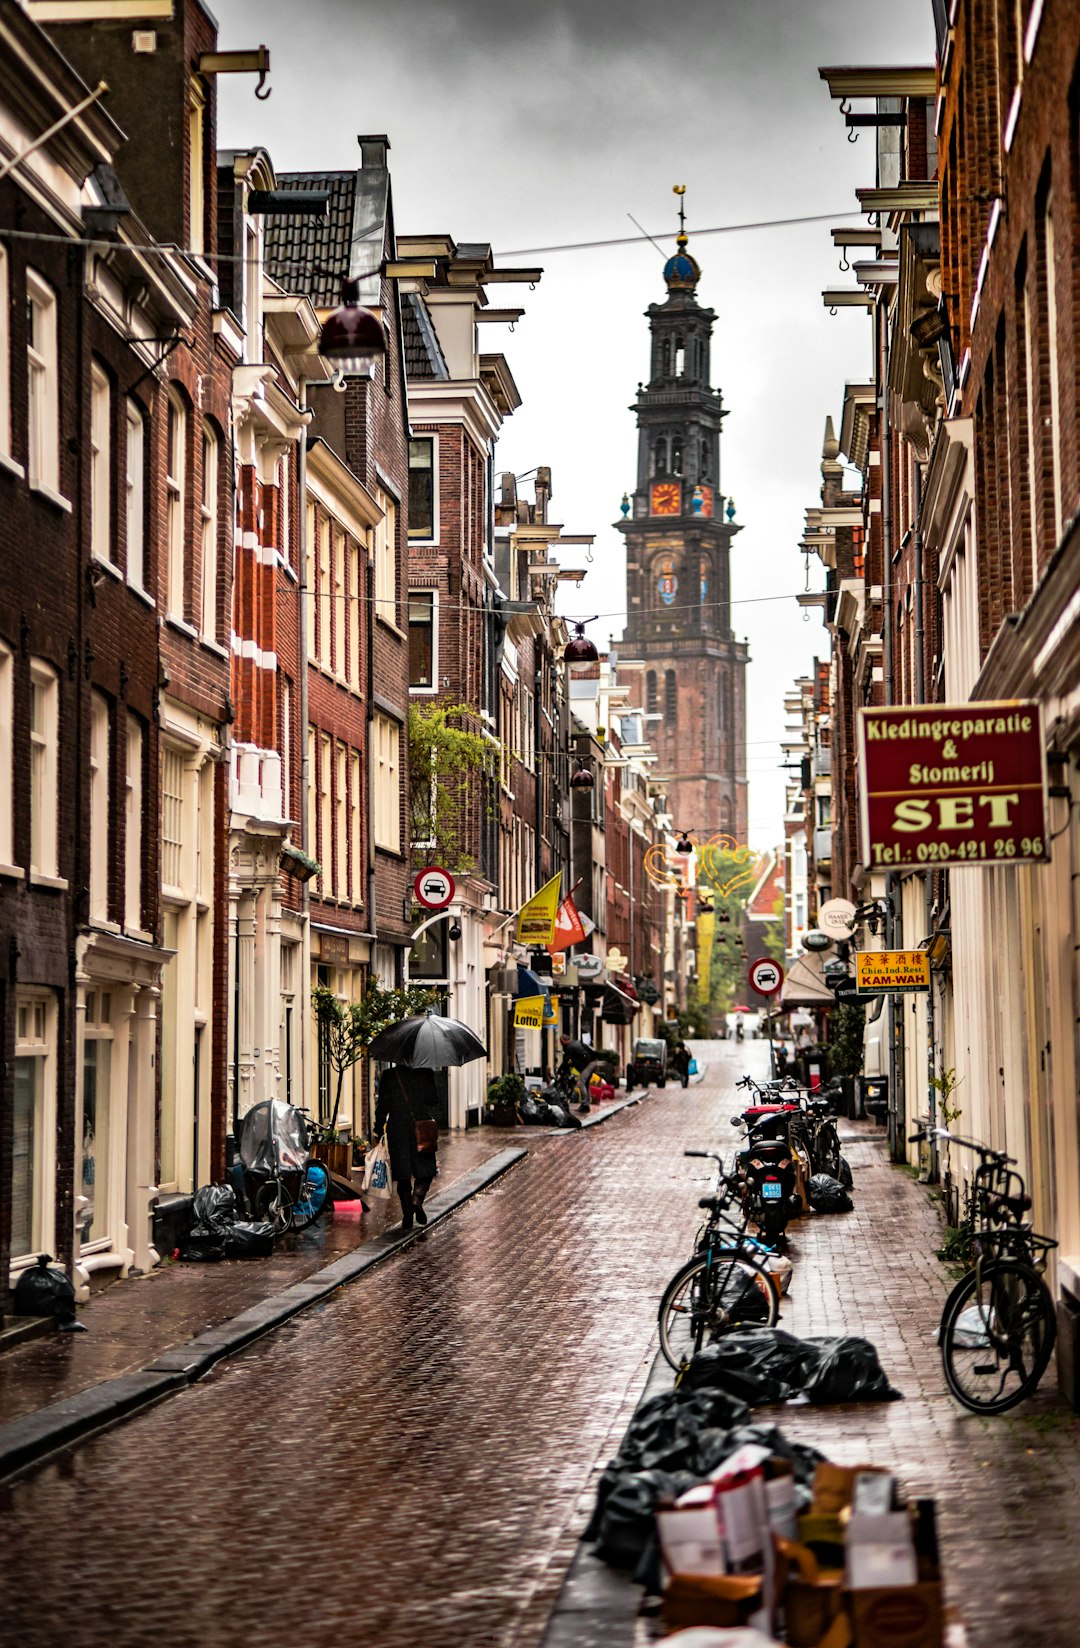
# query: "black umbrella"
[[427, 1042]]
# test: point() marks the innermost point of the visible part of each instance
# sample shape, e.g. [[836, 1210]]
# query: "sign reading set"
[[891, 972], [952, 784]]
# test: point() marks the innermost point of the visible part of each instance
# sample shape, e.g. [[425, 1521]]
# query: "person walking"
[[680, 1058], [407, 1108]]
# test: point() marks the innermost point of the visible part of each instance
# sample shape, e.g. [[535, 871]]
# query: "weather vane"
[[680, 190]]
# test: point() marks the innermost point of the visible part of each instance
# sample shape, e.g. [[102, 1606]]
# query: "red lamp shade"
[[685, 846], [582, 778], [579, 649], [352, 337]]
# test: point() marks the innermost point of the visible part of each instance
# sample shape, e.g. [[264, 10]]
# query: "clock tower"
[[678, 642]]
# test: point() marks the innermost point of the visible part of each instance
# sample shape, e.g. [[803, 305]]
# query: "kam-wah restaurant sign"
[[957, 784]]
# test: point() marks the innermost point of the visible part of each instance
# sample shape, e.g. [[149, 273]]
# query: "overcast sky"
[[530, 123]]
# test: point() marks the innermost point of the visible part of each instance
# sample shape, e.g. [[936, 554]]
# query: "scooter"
[[766, 1170]]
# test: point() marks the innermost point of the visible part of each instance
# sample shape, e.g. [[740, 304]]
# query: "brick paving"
[[411, 1461]]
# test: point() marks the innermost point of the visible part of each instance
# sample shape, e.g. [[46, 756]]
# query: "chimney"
[[543, 493], [373, 151]]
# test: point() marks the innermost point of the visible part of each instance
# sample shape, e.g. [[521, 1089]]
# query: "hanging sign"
[[766, 976], [891, 972], [434, 887], [536, 919], [551, 1012], [589, 967], [529, 1012], [836, 917], [569, 929], [961, 784]]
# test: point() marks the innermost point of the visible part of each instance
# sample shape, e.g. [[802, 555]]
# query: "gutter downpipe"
[[897, 1128], [928, 875], [305, 774]]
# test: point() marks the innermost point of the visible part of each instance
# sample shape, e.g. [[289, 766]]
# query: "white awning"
[[805, 984]]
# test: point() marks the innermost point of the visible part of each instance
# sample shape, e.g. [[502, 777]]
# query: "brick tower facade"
[[678, 637]]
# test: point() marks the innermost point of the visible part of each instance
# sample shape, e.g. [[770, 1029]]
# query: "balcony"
[[823, 845], [822, 761]]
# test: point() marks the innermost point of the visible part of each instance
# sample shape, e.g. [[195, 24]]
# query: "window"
[[671, 696], [175, 488], [196, 169], [341, 824], [44, 767], [7, 774], [660, 457], [135, 496], [386, 559], [286, 746], [356, 814], [665, 358], [339, 603], [322, 599], [309, 585], [208, 512], [99, 807], [5, 357], [353, 613], [422, 639], [312, 798], [172, 818], [100, 465], [284, 511], [422, 488], [651, 698], [133, 814], [290, 969], [34, 1120], [43, 393], [1054, 432], [676, 457], [680, 357], [97, 1118], [387, 821], [326, 822]]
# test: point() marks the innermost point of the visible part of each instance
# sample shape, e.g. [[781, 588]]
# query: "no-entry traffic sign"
[[766, 976], [434, 887]]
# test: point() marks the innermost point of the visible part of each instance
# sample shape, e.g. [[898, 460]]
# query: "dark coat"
[[398, 1112]]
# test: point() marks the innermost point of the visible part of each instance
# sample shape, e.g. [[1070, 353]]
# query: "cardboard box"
[[903, 1616], [728, 1600]]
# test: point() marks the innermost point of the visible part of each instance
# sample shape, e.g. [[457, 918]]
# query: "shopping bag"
[[691, 1069], [377, 1183]]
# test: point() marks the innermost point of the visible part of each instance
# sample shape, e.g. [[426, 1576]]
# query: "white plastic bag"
[[377, 1182]]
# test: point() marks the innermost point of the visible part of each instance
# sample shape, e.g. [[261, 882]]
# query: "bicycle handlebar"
[[925, 1131]]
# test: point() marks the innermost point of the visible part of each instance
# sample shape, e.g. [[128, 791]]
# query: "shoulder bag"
[[427, 1131]]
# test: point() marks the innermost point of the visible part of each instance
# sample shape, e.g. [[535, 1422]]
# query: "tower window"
[[704, 460], [671, 696], [680, 357], [676, 457], [665, 358], [651, 700], [660, 457]]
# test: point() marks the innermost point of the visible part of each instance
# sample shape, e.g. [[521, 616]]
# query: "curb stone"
[[30, 1438]]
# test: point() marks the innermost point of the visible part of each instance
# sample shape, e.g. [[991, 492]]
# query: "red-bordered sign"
[[766, 976], [434, 887]]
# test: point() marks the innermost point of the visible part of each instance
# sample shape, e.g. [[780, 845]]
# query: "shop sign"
[[536, 919], [848, 990], [529, 1012], [815, 939], [888, 972], [649, 994], [558, 964], [589, 968], [836, 917], [952, 784], [551, 1012]]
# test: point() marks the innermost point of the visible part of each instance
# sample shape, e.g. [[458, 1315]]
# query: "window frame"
[[135, 496], [431, 441], [43, 386], [176, 479], [7, 757], [209, 567], [432, 625], [134, 755], [45, 773], [102, 544], [387, 819], [386, 579], [43, 1170], [100, 748], [5, 355]]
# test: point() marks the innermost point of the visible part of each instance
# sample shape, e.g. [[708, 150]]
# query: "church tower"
[[678, 641]]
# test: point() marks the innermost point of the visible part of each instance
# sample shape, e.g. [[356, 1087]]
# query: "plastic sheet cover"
[[273, 1134]]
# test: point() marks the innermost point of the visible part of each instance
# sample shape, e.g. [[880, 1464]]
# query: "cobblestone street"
[[412, 1461]]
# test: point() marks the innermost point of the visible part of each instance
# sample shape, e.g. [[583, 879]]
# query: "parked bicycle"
[[726, 1284], [999, 1322], [292, 1188]]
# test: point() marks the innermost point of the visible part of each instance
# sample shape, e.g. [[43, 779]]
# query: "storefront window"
[[25, 1235], [97, 1070]]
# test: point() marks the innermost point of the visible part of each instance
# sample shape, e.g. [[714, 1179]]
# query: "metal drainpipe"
[[896, 1124], [928, 876], [305, 773]]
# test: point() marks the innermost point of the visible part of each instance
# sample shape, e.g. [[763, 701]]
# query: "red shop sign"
[[961, 784]]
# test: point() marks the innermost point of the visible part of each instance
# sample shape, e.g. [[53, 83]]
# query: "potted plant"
[[504, 1095]]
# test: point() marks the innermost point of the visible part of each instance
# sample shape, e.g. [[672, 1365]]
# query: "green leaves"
[[448, 767]]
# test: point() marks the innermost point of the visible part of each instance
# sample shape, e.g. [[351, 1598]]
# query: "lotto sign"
[[891, 972], [434, 888], [765, 976], [952, 784]]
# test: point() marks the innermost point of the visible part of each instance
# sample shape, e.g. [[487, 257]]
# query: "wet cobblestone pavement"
[[411, 1462]]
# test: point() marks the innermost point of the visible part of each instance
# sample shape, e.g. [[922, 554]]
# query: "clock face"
[[665, 498]]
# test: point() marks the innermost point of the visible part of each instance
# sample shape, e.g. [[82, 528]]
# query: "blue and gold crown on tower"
[[681, 272]]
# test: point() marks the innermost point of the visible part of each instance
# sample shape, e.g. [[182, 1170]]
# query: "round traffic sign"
[[766, 976], [434, 887]]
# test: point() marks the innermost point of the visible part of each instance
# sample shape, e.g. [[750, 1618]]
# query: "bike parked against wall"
[[286, 1186]]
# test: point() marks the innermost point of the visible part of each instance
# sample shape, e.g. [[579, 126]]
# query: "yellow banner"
[[551, 1012], [706, 923], [888, 971], [529, 1012], [536, 919]]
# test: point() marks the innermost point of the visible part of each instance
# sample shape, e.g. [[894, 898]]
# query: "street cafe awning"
[[805, 984], [620, 1004], [528, 984]]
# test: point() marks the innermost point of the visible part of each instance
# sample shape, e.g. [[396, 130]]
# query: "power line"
[[718, 229], [466, 606]]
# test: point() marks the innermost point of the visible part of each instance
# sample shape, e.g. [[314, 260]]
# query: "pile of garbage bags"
[[760, 1366], [828, 1195], [540, 1113], [217, 1233], [674, 1441], [43, 1291]]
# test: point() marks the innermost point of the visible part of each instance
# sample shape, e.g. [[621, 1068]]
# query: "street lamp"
[[684, 845], [582, 777], [579, 649], [352, 338]]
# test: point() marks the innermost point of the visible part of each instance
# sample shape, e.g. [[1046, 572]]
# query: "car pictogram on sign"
[[434, 887]]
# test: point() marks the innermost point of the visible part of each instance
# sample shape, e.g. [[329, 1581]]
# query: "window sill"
[[38, 878], [139, 934], [426, 692], [182, 626], [389, 852], [106, 565], [142, 594], [100, 924], [392, 627], [12, 871], [8, 462], [55, 498], [212, 646]]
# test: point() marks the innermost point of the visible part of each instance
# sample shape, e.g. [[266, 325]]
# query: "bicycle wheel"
[[997, 1336], [274, 1205], [827, 1151], [709, 1295], [313, 1196]]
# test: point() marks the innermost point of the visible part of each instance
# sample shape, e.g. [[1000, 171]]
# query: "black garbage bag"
[[827, 1195], [203, 1246], [247, 1239], [757, 1365], [45, 1292], [848, 1370], [663, 1432], [845, 1173], [214, 1207], [804, 1459], [532, 1111], [626, 1523]]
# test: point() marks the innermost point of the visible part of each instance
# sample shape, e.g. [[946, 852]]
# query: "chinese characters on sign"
[[891, 971], [962, 785]]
